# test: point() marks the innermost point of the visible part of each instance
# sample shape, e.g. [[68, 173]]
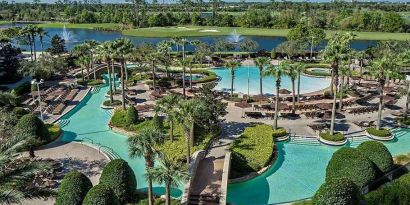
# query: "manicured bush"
[[378, 133], [378, 154], [54, 130], [118, 176], [73, 189], [30, 124], [132, 115], [350, 163], [395, 192], [336, 137], [337, 191], [118, 118], [114, 103], [101, 195], [253, 149], [280, 132]]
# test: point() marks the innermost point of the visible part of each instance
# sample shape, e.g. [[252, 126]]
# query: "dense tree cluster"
[[359, 16]]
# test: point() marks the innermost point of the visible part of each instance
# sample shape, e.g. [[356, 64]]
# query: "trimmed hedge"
[[118, 176], [132, 115], [378, 154], [30, 124], [73, 189], [252, 150], [378, 133], [90, 82], [114, 103], [395, 192], [338, 191], [101, 195], [336, 137], [350, 163], [118, 119], [280, 132]]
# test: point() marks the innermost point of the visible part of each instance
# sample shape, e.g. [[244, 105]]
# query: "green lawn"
[[4, 22], [192, 31]]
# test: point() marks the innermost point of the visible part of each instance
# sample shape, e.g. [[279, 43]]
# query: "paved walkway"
[[209, 173]]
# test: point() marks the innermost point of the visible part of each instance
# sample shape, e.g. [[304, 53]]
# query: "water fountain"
[[234, 37], [67, 35]]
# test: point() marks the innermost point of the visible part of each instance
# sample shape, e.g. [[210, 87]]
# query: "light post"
[[311, 48], [34, 82]]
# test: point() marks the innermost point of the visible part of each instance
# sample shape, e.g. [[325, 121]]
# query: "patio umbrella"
[[324, 106], [242, 105], [259, 98], [284, 92]]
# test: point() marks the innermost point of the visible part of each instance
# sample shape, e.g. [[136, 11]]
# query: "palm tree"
[[165, 47], [168, 104], [26, 32], [190, 61], [183, 42], [183, 63], [123, 47], [337, 50], [344, 71], [380, 69], [13, 172], [82, 61], [152, 58], [231, 66], [261, 62], [292, 72], [41, 33], [91, 45], [169, 173], [176, 40], [187, 112], [276, 72], [405, 56], [143, 145], [103, 52], [299, 68]]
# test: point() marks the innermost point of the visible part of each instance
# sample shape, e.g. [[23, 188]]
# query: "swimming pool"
[[298, 172], [307, 84]]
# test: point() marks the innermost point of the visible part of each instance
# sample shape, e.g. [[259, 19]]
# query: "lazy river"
[[296, 174]]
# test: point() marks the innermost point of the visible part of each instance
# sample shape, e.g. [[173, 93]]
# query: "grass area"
[[336, 137], [379, 133], [252, 151], [221, 31], [5, 22]]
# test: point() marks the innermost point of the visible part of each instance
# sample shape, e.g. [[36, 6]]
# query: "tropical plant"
[[168, 104], [103, 53], [190, 61], [231, 65], [248, 45], [261, 62], [101, 195], [83, 62], [183, 63], [123, 46], [337, 191], [276, 72], [378, 153], [73, 189], [337, 50], [143, 144], [165, 48], [344, 71], [292, 72], [381, 69], [169, 173], [152, 59], [41, 33]]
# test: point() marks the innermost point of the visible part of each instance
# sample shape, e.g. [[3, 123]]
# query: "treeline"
[[382, 17]]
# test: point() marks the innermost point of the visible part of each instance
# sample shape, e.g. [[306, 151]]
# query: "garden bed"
[[108, 105], [252, 151], [380, 135], [337, 139]]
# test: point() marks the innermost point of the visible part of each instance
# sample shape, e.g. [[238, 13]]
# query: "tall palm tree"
[[231, 65], [168, 104], [299, 68], [26, 32], [41, 33], [123, 46], [176, 40], [276, 72], [14, 172], [261, 62], [183, 63], [169, 173], [152, 59], [103, 53], [165, 48], [187, 112], [183, 42], [91, 45], [190, 61], [143, 145], [405, 56], [380, 69], [292, 72], [337, 50], [344, 71], [82, 61]]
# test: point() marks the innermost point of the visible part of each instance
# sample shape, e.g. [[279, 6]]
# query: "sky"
[[173, 1]]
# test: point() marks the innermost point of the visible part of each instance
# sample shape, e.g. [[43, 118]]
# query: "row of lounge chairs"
[[361, 110], [58, 105], [313, 114]]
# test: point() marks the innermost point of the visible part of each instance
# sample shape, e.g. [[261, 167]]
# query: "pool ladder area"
[[299, 140], [62, 122], [111, 154]]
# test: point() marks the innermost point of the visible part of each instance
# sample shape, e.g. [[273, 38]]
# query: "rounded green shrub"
[[280, 132], [336, 137], [378, 154], [132, 115], [118, 176], [350, 163], [73, 189], [337, 191], [379, 133], [30, 124], [101, 195], [395, 192]]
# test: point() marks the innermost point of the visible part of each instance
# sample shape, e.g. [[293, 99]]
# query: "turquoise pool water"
[[307, 84], [297, 173], [89, 121]]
